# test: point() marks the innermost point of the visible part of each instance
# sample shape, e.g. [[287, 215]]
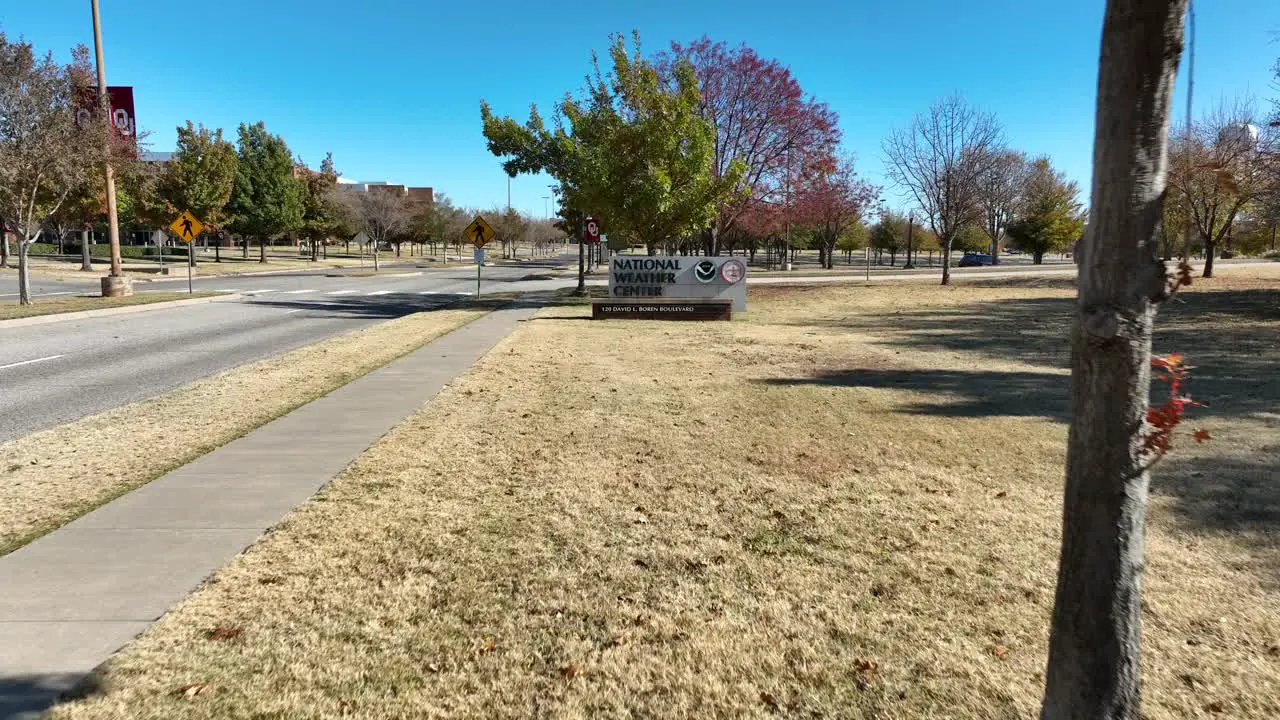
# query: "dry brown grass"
[[846, 506], [53, 306], [51, 477]]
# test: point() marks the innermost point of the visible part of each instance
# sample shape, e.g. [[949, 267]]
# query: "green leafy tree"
[[200, 176], [1051, 220], [633, 150], [853, 239], [889, 234], [267, 200]]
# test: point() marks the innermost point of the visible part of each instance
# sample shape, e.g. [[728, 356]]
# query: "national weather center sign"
[[678, 281]]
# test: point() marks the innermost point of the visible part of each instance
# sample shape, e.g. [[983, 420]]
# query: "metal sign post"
[[480, 234], [187, 228]]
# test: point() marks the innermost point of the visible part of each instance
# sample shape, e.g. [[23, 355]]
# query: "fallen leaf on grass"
[[1001, 494], [999, 650], [768, 699], [224, 632], [1217, 706], [345, 708], [571, 671], [192, 690]]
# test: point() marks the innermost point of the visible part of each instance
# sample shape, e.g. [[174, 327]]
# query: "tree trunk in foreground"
[[4, 247], [24, 272], [1096, 633], [86, 259]]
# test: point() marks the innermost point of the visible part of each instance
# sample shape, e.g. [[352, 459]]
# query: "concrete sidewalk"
[[72, 598]]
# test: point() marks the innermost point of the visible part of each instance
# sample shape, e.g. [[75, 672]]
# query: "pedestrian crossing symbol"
[[187, 227], [479, 232]]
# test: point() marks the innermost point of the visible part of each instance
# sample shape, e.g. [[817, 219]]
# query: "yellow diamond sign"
[[479, 232], [187, 227]]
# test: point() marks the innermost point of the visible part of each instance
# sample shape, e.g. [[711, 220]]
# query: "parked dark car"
[[975, 260]]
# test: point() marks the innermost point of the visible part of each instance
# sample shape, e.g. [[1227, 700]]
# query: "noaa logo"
[[705, 271]]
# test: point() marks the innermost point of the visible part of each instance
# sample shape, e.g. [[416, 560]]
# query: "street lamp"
[[911, 218], [115, 284]]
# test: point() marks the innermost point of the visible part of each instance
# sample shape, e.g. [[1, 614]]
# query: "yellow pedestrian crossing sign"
[[479, 232], [187, 227]]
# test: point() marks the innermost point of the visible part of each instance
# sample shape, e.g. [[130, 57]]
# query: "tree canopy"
[[267, 198], [1051, 219], [632, 150]]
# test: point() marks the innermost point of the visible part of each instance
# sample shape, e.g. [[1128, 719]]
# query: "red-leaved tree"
[[761, 117], [829, 198]]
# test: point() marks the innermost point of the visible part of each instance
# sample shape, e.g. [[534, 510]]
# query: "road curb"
[[107, 312]]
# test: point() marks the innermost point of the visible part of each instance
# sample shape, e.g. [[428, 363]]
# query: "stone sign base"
[[662, 310]]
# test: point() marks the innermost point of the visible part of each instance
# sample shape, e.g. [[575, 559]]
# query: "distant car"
[[1012, 251], [975, 260]]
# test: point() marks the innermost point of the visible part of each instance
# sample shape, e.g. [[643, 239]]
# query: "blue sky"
[[392, 87]]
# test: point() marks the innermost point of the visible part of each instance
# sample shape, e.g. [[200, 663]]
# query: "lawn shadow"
[[1231, 495], [962, 393], [1236, 360], [28, 696]]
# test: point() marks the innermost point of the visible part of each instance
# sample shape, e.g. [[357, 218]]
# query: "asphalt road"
[[54, 373]]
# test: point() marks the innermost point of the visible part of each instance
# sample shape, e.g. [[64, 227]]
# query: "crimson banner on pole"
[[120, 102]]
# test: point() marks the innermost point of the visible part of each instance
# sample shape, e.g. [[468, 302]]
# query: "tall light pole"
[[1191, 81], [115, 284], [911, 219]]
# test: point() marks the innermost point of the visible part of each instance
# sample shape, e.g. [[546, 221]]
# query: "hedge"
[[104, 250]]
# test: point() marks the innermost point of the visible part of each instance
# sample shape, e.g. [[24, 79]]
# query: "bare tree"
[[1219, 166], [379, 213], [939, 158], [1096, 634], [1000, 189], [45, 153]]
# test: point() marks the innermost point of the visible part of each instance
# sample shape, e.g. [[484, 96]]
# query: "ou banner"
[[120, 103]]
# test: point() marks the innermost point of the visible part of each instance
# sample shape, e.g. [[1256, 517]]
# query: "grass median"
[[51, 477], [56, 305], [847, 505]]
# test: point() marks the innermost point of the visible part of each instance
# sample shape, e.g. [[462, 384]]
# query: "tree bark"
[[946, 261], [4, 247], [244, 247], [1210, 250], [1096, 634], [24, 273], [262, 249], [86, 258], [1037, 257]]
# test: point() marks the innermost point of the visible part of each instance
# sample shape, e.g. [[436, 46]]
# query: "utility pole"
[[115, 284]]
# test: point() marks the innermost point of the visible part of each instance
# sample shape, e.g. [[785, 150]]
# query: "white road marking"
[[229, 290], [68, 292], [297, 292], [28, 362], [261, 292], [382, 292], [341, 292], [429, 292], [294, 311], [412, 274]]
